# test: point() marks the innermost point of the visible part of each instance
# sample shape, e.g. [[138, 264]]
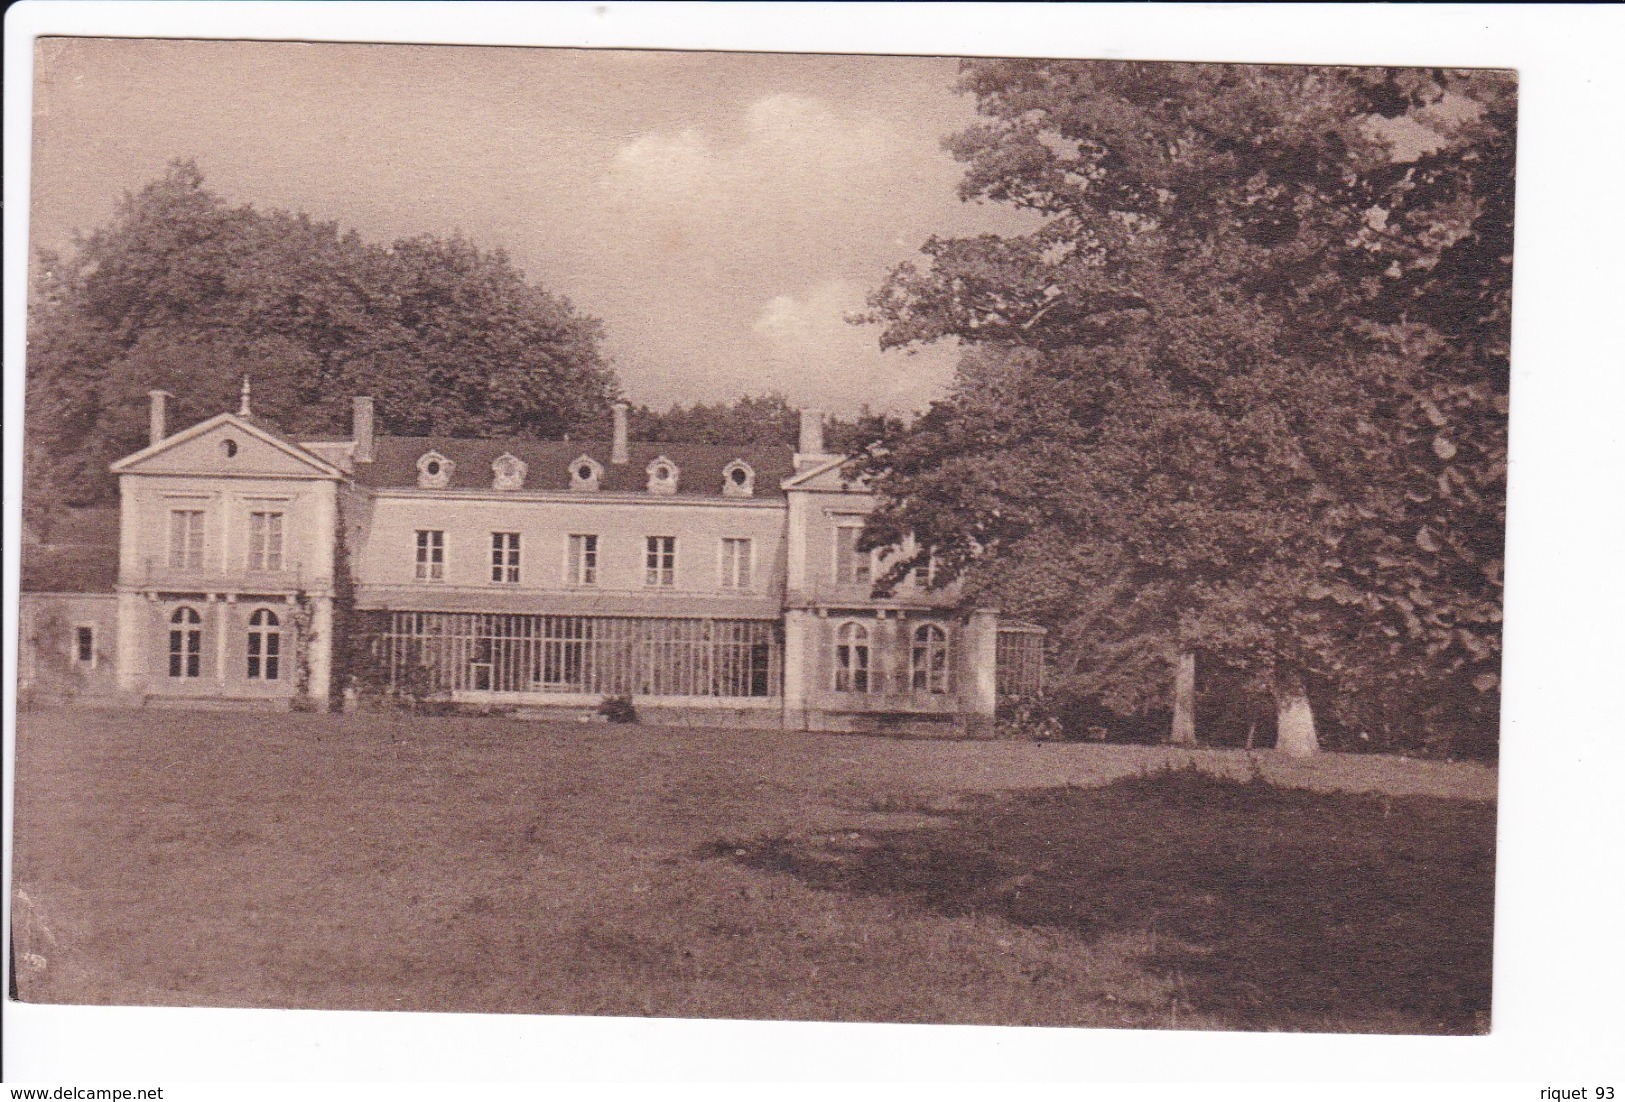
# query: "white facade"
[[701, 581]]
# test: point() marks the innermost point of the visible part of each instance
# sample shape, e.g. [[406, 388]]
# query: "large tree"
[[185, 292], [1241, 389]]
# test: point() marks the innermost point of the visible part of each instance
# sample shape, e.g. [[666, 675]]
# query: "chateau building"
[[709, 584]]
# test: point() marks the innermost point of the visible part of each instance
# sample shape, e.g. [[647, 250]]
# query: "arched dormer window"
[[738, 480], [434, 471], [585, 474], [508, 472], [663, 475]]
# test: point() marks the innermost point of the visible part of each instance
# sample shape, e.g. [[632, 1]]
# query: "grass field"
[[379, 862]]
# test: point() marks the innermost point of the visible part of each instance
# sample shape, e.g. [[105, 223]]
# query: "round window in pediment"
[[229, 447], [584, 473], [738, 476], [663, 473], [432, 467]]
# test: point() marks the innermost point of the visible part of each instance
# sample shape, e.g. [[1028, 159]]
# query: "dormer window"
[[662, 476], [585, 474], [507, 472], [738, 480], [434, 471]]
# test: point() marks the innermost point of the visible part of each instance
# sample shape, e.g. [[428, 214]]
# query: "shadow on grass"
[[1275, 908]]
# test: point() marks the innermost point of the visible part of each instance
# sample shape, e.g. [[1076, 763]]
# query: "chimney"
[[618, 452], [157, 414], [812, 432], [361, 421]]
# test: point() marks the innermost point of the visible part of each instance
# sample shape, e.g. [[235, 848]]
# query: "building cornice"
[[573, 497]]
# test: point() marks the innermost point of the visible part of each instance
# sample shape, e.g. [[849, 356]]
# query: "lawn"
[[382, 862]]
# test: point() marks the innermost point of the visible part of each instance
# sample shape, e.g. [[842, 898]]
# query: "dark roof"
[[71, 551], [548, 462], [69, 568], [97, 524]]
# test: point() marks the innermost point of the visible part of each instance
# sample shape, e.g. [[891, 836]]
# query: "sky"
[[722, 213]]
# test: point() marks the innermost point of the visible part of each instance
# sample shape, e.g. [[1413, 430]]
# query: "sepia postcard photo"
[[760, 536]]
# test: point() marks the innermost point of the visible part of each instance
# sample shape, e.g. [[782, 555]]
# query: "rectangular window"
[[505, 557], [924, 573], [852, 567], [583, 565], [265, 541], [431, 556], [186, 539], [660, 561], [84, 644], [736, 554]]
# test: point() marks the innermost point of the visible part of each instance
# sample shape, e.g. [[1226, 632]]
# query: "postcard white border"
[[1557, 982]]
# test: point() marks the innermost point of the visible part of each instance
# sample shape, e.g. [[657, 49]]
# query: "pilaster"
[[799, 628], [134, 627], [981, 692], [320, 650]]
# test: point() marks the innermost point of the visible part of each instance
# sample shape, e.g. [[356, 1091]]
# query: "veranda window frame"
[[597, 656]]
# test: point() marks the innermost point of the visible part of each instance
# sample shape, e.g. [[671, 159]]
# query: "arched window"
[[852, 659], [264, 646], [928, 659], [185, 643]]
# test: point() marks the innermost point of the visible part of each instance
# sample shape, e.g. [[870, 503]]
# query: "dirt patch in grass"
[[1266, 906]]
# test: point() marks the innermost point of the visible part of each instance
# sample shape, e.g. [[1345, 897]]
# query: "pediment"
[[226, 446]]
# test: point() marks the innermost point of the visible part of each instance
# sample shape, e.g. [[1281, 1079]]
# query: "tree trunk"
[[1184, 732], [1295, 722]]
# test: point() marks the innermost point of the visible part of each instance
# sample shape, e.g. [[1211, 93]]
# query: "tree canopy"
[[187, 293], [1242, 390], [749, 419]]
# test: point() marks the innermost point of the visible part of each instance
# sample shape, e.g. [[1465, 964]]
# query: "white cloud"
[[662, 166], [793, 160], [753, 234], [815, 355], [791, 321]]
